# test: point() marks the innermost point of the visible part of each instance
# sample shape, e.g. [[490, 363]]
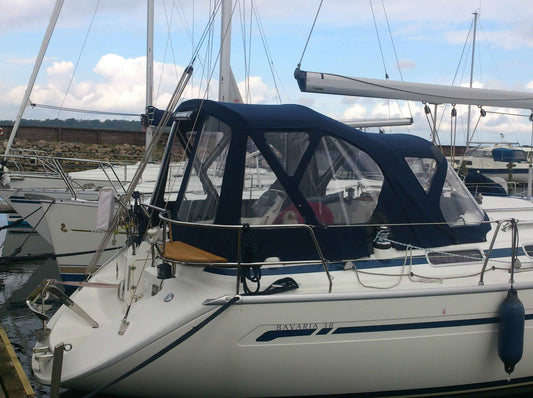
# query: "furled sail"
[[327, 83]]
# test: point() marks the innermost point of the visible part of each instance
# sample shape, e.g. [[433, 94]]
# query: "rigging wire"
[[381, 52], [168, 45], [383, 57], [467, 40], [79, 58], [310, 33], [379, 40], [268, 54], [247, 49], [61, 108], [396, 56], [508, 114], [207, 34], [494, 65]]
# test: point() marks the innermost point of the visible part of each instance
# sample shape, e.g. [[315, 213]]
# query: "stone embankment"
[[25, 153]]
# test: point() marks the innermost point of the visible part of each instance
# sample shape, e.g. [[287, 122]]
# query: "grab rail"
[[308, 228], [514, 247], [324, 261]]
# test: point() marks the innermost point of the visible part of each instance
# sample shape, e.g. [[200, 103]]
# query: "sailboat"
[[299, 246], [506, 161], [366, 252]]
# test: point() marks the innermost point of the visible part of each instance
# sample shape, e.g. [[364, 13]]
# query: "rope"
[[44, 256], [409, 246], [509, 114], [19, 249], [410, 256], [19, 221], [412, 275], [133, 295], [169, 347], [310, 32]]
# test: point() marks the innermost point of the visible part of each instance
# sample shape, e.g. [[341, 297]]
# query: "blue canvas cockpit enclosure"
[[279, 165], [509, 155]]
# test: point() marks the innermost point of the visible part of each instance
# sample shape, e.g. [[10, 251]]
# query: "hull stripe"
[[278, 334]]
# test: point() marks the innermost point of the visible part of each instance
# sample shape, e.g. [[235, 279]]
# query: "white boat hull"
[[417, 337], [27, 204], [74, 237]]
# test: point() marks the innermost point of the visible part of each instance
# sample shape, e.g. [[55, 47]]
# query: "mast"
[[149, 67], [33, 77], [225, 51], [471, 77]]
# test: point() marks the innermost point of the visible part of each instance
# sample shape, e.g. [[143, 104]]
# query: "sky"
[[96, 59]]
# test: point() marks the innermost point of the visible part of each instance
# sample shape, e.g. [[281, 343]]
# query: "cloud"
[[118, 85], [24, 14], [355, 112], [254, 90], [404, 64]]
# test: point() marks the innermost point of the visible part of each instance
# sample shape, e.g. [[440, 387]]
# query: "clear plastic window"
[[203, 186], [457, 205], [264, 199], [424, 170], [288, 148], [341, 183], [258, 176]]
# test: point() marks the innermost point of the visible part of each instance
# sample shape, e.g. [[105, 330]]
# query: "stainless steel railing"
[[52, 166], [239, 228]]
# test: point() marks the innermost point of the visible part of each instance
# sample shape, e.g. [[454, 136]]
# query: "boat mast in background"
[[33, 77], [225, 50], [227, 88], [149, 66]]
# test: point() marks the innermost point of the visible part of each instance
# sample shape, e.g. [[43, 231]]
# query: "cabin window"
[[455, 257], [204, 183], [423, 169], [457, 205], [341, 183], [528, 249]]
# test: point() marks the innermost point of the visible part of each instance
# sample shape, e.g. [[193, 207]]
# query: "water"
[[17, 280], [19, 323]]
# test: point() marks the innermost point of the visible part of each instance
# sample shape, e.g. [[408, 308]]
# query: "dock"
[[13, 380]]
